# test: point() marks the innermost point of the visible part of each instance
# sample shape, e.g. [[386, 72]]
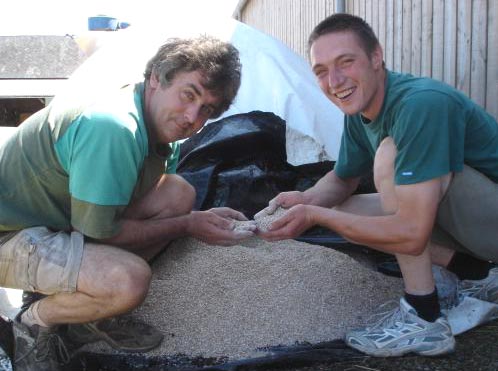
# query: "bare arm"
[[331, 190], [406, 231], [215, 226]]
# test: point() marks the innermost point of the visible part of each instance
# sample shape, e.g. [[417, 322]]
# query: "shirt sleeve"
[[355, 158], [421, 132], [172, 160], [102, 158]]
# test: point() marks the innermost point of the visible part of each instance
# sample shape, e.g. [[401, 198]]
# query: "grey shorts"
[[37, 259], [467, 218]]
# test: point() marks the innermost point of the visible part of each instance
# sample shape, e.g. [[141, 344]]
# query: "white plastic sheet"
[[274, 79]]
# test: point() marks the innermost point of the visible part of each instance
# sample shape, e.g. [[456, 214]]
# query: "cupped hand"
[[220, 226], [291, 225], [285, 200]]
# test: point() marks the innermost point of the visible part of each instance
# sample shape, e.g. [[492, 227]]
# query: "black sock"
[[427, 306], [467, 267]]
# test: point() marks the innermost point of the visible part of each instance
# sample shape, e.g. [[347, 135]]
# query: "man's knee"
[[128, 283], [183, 194], [119, 278], [171, 196]]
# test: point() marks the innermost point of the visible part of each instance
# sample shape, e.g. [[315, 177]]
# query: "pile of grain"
[[229, 301]]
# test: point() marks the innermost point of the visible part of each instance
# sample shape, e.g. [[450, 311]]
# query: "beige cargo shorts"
[[38, 259], [467, 218]]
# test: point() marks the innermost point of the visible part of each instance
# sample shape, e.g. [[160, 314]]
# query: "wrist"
[[188, 223]]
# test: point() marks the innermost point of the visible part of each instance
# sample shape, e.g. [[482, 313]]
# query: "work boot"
[[38, 348], [123, 333]]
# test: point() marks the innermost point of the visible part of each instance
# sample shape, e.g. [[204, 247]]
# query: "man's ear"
[[377, 57], [154, 81]]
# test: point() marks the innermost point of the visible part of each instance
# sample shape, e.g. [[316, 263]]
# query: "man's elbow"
[[414, 245], [414, 249]]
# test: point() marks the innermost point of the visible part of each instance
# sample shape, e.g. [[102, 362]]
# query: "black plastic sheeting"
[[299, 355], [241, 162]]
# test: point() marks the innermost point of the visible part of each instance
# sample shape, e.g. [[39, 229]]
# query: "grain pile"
[[228, 301]]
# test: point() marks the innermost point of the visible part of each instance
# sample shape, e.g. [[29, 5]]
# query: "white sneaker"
[[485, 289], [400, 331]]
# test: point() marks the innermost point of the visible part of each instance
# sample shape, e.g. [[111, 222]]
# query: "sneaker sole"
[[443, 347]]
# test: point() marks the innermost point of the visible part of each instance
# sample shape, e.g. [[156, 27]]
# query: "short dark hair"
[[216, 60], [341, 22]]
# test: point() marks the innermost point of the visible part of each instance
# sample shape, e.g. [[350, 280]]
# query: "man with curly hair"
[[89, 194]]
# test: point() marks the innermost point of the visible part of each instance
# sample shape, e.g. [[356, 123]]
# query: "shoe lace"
[[50, 343], [473, 290], [123, 321]]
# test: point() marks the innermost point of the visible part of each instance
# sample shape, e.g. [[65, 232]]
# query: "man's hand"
[[285, 200], [291, 224], [220, 226]]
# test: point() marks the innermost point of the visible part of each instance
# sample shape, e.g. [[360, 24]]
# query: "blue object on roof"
[[104, 23]]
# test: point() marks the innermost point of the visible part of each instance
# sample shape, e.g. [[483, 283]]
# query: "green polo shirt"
[[79, 167], [436, 129]]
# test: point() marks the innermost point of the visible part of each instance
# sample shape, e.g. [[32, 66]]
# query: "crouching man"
[[88, 194], [434, 155]]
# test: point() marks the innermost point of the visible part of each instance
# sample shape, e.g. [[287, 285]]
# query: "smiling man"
[[434, 155], [88, 195]]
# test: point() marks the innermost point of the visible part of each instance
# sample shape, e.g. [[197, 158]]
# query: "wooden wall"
[[455, 41]]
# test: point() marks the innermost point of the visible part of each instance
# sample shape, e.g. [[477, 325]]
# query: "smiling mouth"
[[344, 93]]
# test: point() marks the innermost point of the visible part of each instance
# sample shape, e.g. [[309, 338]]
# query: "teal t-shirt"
[[436, 129], [79, 167]]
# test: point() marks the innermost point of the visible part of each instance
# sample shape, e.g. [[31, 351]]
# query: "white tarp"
[[274, 79]]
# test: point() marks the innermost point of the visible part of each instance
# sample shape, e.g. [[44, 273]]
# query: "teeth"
[[344, 93]]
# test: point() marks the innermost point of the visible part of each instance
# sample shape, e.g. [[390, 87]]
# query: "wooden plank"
[[464, 25], [492, 72], [426, 46], [329, 7], [478, 59], [416, 50], [389, 46], [398, 35], [406, 56], [350, 6], [368, 12], [438, 39], [356, 7], [375, 16], [450, 33], [362, 8], [382, 24]]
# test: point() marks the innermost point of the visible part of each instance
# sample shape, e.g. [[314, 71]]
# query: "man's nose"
[[191, 113], [336, 78]]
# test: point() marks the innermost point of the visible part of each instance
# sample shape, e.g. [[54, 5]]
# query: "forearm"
[[390, 233], [330, 190], [135, 234]]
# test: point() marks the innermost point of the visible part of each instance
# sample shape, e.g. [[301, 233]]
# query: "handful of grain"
[[263, 220]]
